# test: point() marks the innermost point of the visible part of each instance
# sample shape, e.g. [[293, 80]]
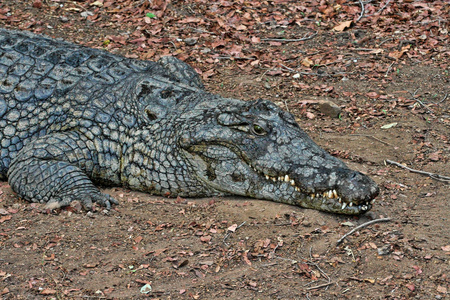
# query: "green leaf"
[[150, 15]]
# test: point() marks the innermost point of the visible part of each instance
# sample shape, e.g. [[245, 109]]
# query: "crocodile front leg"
[[53, 169]]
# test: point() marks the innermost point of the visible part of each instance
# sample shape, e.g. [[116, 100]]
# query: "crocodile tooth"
[[340, 200], [274, 179], [317, 195], [280, 178], [344, 205], [372, 201], [312, 196], [267, 177], [364, 207], [330, 194], [325, 194], [335, 194], [286, 178], [350, 204], [292, 182]]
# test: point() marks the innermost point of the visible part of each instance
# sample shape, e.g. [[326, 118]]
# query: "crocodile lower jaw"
[[324, 196]]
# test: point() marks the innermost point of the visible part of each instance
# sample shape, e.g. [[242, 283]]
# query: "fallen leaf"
[[397, 54], [348, 223], [441, 289], [146, 289], [434, 156], [390, 125], [97, 3], [446, 248], [205, 238], [310, 115], [5, 218], [245, 257], [232, 228], [307, 62], [48, 292], [342, 26]]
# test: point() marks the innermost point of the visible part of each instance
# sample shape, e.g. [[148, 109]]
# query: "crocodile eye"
[[258, 129]]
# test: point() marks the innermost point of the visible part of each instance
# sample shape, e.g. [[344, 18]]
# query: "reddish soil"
[[183, 248]]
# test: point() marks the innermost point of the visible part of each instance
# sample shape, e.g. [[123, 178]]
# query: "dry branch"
[[361, 226], [429, 174]]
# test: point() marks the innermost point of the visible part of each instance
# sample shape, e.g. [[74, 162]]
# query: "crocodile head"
[[255, 149]]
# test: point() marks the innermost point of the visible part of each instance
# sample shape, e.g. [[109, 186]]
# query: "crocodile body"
[[72, 117]]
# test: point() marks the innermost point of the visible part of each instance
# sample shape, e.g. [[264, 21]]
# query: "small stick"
[[371, 137], [389, 69], [229, 232], [443, 99], [361, 226], [429, 174], [363, 10], [320, 286], [381, 9]]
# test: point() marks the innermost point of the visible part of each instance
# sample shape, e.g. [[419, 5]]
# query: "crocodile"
[[73, 118]]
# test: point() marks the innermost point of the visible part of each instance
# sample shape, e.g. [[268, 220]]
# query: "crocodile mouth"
[[326, 200]]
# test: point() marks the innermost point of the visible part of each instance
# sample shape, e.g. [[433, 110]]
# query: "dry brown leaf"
[[446, 248], [307, 62], [342, 26], [48, 292], [397, 54]]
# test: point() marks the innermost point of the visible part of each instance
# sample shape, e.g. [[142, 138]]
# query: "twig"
[[363, 10], [289, 69], [371, 137], [361, 226], [418, 100], [381, 9], [389, 69], [429, 174], [443, 99], [291, 40], [230, 232], [320, 286]]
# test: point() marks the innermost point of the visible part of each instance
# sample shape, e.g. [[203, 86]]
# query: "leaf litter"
[[379, 62]]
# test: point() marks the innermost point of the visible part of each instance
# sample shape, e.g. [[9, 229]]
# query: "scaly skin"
[[71, 116]]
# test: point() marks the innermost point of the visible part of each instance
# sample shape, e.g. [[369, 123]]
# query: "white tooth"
[[274, 179], [313, 196], [350, 204], [344, 205], [364, 207], [335, 194], [373, 201], [317, 195], [330, 194], [286, 178], [340, 200], [292, 182], [325, 194], [280, 178]]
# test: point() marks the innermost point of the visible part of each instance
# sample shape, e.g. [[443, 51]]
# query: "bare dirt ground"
[[390, 68]]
